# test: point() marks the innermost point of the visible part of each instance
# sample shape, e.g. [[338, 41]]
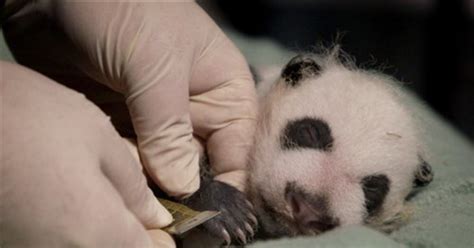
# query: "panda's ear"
[[423, 174], [300, 67]]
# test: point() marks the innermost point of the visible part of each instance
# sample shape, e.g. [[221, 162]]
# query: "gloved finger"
[[235, 178], [123, 170], [116, 223], [161, 238], [227, 95], [135, 48], [133, 147], [53, 190], [90, 214], [165, 138]]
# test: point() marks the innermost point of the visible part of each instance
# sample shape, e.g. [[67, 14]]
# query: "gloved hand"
[[67, 178], [179, 73]]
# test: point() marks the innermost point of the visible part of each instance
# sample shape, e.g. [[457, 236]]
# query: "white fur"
[[373, 134]]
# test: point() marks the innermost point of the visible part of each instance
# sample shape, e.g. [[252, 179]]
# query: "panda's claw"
[[250, 205], [252, 218], [232, 224], [226, 237], [249, 229], [241, 236]]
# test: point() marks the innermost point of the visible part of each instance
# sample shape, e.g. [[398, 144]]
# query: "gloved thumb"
[[125, 173]]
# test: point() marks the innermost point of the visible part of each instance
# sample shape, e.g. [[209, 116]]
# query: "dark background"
[[427, 43]]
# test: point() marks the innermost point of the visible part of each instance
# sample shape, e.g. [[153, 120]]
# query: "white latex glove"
[[67, 177], [179, 73]]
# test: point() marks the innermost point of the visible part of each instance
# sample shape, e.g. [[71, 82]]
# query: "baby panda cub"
[[334, 146]]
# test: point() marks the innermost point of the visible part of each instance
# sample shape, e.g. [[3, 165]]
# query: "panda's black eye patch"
[[307, 133], [375, 189], [298, 68]]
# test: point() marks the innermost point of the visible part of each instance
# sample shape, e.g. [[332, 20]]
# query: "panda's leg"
[[236, 222]]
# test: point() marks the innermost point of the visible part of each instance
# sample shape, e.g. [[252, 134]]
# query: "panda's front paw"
[[237, 221]]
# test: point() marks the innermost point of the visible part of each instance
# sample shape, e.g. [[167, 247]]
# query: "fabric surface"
[[443, 212], [5, 54]]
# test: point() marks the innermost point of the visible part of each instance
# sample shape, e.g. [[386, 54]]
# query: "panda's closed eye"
[[307, 133], [376, 188]]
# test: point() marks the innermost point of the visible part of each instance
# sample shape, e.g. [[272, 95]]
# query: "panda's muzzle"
[[310, 212]]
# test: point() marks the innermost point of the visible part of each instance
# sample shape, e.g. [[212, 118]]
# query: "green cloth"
[[5, 54], [351, 236]]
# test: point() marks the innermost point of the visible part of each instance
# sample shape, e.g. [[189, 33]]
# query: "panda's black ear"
[[423, 174], [300, 67]]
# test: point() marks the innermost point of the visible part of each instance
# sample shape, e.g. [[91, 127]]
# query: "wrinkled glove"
[[67, 177], [179, 74]]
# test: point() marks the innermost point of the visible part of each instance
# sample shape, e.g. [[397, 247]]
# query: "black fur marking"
[[273, 219], [307, 133], [318, 218], [218, 196], [376, 188], [269, 209], [299, 68], [424, 174]]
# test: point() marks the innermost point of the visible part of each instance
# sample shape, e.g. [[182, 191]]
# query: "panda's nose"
[[310, 212]]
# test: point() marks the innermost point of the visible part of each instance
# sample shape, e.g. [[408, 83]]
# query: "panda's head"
[[334, 146]]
